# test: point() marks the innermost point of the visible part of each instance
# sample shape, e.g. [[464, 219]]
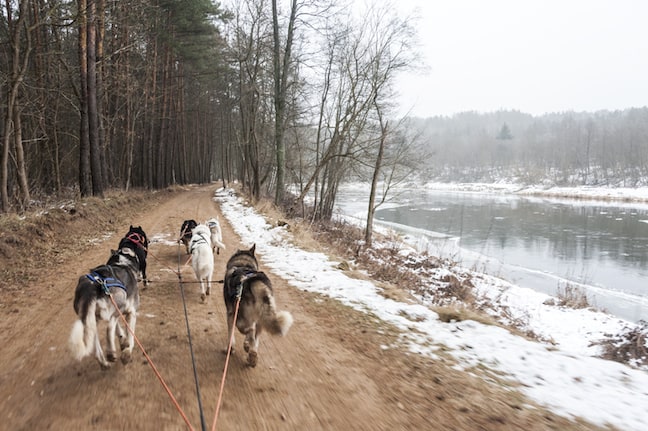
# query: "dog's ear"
[[252, 249]]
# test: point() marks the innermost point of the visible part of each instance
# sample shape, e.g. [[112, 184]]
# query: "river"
[[541, 243]]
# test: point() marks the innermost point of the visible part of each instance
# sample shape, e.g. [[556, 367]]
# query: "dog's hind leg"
[[99, 353], [110, 338], [251, 344], [230, 329], [127, 346], [144, 276], [121, 336], [203, 296]]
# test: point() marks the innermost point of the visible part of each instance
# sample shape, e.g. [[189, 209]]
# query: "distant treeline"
[[600, 148]]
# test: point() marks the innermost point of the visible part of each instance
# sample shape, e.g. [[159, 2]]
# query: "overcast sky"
[[535, 56]]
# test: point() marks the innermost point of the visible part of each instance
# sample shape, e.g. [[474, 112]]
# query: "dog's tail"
[[83, 334], [279, 324], [273, 321]]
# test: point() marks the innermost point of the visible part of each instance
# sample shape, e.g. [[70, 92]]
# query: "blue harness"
[[106, 282]]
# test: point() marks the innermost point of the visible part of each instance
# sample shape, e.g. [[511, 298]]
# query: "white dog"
[[216, 234], [202, 258]]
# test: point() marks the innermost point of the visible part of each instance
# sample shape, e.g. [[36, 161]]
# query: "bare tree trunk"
[[11, 126], [163, 126], [371, 209], [85, 173], [21, 172], [93, 114], [281, 67], [101, 131], [152, 108]]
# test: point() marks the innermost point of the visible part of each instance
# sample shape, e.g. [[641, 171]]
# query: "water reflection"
[[596, 244]]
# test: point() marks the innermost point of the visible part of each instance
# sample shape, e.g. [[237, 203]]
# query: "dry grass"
[[572, 297], [51, 232], [629, 347]]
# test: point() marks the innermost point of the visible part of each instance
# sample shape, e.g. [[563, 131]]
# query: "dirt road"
[[328, 373]]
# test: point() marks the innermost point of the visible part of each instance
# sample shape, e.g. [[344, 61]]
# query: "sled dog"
[[202, 258], [257, 305], [136, 240], [185, 232], [118, 277], [216, 234]]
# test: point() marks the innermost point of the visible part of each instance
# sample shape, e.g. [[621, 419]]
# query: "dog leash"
[[229, 351], [191, 350], [153, 367]]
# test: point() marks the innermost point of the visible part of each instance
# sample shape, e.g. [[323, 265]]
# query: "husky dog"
[[257, 305], [118, 278], [202, 258], [216, 234], [185, 232], [137, 241]]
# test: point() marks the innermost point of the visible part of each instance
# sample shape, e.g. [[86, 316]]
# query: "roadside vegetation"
[[449, 288]]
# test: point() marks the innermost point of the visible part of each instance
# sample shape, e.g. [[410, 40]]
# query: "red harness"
[[137, 239]]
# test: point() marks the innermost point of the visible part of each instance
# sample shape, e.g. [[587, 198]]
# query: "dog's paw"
[[224, 351], [203, 297], [111, 357], [126, 357], [252, 359]]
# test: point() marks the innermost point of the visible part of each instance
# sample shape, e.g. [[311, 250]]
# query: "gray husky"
[[118, 278], [257, 307]]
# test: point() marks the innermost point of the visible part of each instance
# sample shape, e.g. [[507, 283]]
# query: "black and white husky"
[[202, 258], [118, 278], [136, 240], [216, 234], [185, 232], [257, 311]]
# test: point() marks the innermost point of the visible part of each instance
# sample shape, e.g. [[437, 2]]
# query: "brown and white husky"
[[257, 311]]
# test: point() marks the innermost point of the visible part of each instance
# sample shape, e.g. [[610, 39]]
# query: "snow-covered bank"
[[563, 376], [619, 194]]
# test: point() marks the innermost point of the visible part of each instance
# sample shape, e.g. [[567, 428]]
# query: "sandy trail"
[[329, 373]]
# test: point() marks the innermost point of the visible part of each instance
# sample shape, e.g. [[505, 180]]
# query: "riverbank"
[[616, 194], [562, 372], [524, 304]]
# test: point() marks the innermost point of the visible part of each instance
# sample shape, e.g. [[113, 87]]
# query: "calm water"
[[535, 243]]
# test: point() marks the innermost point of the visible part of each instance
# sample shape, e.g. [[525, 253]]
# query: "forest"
[[150, 93], [288, 98], [605, 148]]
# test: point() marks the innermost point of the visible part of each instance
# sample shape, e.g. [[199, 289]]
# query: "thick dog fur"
[[202, 258], [185, 232], [92, 304], [136, 240], [257, 310], [216, 234]]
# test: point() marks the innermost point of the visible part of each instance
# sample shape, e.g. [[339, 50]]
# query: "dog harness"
[[243, 275], [198, 241], [106, 282], [137, 239]]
